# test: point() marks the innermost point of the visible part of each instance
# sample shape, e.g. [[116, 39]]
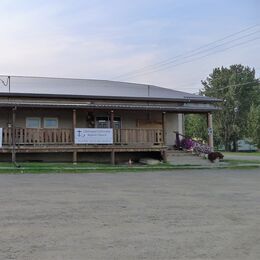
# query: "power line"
[[240, 84], [180, 55], [192, 52], [198, 58], [166, 65]]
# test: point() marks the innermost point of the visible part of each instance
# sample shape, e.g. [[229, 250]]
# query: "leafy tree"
[[196, 126], [238, 88], [253, 124]]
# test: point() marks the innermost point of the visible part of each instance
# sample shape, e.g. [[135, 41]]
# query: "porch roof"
[[93, 89], [88, 105]]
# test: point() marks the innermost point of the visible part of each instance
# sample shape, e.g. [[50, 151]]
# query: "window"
[[50, 122], [117, 122], [104, 122], [33, 122]]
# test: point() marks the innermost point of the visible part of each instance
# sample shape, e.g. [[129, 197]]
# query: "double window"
[[36, 122], [104, 122]]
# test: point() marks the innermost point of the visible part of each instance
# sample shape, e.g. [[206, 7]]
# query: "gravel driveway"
[[157, 215]]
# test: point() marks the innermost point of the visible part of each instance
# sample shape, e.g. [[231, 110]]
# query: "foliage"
[[196, 147], [187, 143], [253, 123], [201, 149], [196, 126], [238, 88]]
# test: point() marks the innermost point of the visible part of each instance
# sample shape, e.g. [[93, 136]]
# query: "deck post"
[[163, 127], [74, 122], [164, 156], [113, 157], [112, 125], [13, 135], [210, 131]]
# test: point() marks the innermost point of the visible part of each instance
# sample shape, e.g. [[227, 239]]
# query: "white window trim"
[[46, 118], [33, 118]]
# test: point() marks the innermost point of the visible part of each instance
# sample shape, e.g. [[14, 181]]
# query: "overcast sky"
[[104, 39]]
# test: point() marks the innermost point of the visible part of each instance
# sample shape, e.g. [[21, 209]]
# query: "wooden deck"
[[28, 140]]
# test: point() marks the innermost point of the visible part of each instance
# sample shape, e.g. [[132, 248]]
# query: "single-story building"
[[82, 120]]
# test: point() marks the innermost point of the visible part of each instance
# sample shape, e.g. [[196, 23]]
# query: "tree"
[[196, 126], [238, 88], [253, 124]]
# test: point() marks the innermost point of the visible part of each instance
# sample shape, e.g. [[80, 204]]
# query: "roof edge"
[[188, 99]]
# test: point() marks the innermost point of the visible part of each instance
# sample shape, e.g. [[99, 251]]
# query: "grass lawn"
[[80, 167], [242, 153], [37, 167]]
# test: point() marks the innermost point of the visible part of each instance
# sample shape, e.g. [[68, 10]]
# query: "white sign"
[[93, 136], [210, 131], [1, 137]]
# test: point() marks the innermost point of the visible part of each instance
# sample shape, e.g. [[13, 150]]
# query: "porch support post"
[[74, 122], [113, 156], [210, 131], [13, 135], [163, 127], [180, 123], [164, 155], [112, 125]]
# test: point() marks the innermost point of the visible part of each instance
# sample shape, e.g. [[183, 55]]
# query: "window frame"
[[104, 119], [33, 118], [51, 118]]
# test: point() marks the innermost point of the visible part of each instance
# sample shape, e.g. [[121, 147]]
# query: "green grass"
[[40, 167], [36, 167], [79, 168], [242, 153], [236, 161]]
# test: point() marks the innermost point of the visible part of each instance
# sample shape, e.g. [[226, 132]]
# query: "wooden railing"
[[138, 136], [31, 136], [60, 136]]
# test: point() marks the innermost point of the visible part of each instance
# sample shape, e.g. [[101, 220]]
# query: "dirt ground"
[[209, 214]]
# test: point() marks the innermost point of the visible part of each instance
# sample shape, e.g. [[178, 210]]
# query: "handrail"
[[198, 147], [188, 137]]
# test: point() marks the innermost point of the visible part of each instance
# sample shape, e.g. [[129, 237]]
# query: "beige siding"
[[128, 119], [171, 125], [64, 116], [134, 119]]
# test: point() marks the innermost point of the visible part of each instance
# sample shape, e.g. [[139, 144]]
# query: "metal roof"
[[89, 105], [105, 89]]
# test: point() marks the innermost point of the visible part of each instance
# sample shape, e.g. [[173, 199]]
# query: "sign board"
[[93, 136], [210, 131]]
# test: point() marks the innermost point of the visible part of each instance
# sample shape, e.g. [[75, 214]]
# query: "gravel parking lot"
[[200, 214]]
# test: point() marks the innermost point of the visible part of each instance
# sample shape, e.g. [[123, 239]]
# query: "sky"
[[144, 41]]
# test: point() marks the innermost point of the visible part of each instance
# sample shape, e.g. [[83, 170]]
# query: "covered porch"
[[133, 130], [42, 115], [18, 137]]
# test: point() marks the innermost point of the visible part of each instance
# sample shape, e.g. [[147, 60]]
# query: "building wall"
[[171, 124], [129, 119]]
